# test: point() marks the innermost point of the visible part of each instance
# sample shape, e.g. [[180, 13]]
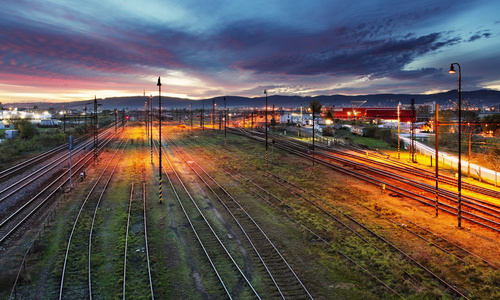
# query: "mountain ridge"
[[478, 98]]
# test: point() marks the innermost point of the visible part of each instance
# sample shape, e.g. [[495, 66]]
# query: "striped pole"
[[151, 126], [160, 199], [265, 92]]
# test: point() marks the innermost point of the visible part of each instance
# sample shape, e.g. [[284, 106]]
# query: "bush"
[[26, 129]]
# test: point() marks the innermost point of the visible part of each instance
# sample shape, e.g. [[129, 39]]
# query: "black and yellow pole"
[[151, 126], [160, 199]]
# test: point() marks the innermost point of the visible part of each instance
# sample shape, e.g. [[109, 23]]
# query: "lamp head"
[[265, 92], [452, 69], [159, 82]]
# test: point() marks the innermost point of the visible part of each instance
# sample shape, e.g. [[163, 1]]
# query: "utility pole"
[[436, 132], [96, 142], [151, 126], [399, 121], [85, 114], [470, 137], [160, 200], [412, 132], [213, 114], [252, 119], [225, 124], [146, 122], [265, 92]]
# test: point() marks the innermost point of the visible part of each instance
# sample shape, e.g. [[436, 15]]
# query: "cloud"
[[479, 35]]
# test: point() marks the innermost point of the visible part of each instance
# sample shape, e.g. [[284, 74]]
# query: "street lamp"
[[265, 92], [452, 71], [160, 199]]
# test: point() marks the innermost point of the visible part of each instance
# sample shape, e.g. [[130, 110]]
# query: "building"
[[10, 134], [369, 113]]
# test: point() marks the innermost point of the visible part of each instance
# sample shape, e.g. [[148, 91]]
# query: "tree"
[[315, 106], [493, 123], [329, 114], [423, 109], [469, 116], [26, 129]]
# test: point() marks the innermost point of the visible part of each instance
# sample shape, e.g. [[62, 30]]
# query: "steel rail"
[[391, 187], [126, 240], [303, 190], [174, 190], [25, 205], [32, 160], [146, 238], [77, 218], [396, 165], [338, 251], [46, 169], [33, 241], [95, 214], [43, 155], [239, 224], [386, 241], [226, 251], [29, 202]]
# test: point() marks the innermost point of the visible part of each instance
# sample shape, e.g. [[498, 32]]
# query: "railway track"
[[232, 280], [18, 216], [134, 281], [42, 158], [78, 255], [33, 179], [286, 282], [392, 165], [475, 211], [458, 253], [12, 171]]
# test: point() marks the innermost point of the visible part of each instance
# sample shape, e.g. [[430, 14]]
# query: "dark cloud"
[[478, 35], [58, 53], [375, 57]]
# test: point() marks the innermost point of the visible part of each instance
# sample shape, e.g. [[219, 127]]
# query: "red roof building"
[[369, 113]]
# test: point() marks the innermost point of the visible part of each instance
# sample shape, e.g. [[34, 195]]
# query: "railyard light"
[[160, 200], [452, 71]]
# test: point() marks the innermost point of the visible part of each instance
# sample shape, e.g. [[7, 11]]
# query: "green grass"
[[175, 257]]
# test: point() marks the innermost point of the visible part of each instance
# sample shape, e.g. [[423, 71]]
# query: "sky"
[[74, 50]]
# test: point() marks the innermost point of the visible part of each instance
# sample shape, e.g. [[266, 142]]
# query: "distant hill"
[[478, 98]]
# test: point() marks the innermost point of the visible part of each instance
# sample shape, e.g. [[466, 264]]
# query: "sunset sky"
[[72, 50]]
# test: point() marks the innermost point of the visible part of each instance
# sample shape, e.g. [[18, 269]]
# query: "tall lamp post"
[[265, 92], [160, 199], [452, 71]]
